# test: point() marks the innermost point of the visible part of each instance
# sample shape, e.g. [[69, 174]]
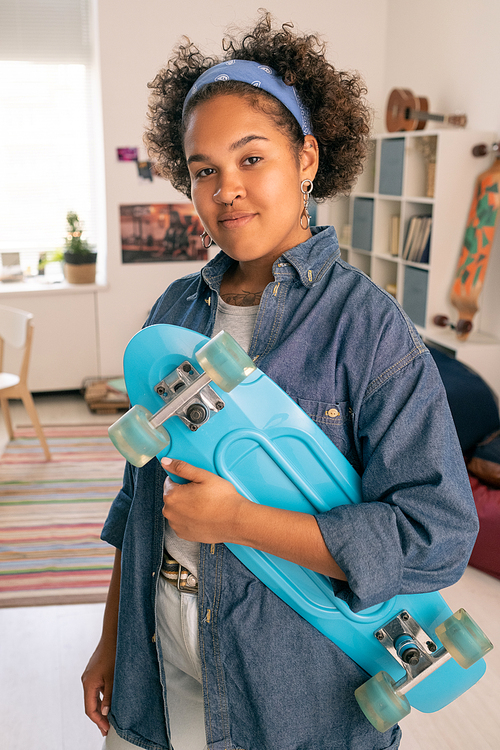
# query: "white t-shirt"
[[239, 322]]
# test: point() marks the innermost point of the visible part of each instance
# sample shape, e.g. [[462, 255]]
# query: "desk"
[[65, 345]]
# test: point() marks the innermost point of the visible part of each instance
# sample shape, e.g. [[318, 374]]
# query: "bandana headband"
[[260, 76]]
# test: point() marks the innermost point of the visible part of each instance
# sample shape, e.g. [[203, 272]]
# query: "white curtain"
[[50, 161]]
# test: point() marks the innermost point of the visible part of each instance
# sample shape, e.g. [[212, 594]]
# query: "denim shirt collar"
[[307, 262]]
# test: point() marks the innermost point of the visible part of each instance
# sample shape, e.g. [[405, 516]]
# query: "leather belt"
[[178, 576]]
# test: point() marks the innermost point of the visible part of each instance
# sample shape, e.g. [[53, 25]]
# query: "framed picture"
[[160, 232]]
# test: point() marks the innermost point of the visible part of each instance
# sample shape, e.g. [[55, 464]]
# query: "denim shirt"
[[339, 345]]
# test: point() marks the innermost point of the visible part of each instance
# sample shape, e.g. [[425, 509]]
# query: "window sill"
[[47, 285]]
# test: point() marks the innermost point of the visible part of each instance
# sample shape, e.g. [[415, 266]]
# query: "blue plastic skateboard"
[[205, 401]]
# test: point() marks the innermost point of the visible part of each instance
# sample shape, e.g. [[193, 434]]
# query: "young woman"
[[218, 660]]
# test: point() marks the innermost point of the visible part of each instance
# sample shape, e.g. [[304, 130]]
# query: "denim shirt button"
[[333, 413]]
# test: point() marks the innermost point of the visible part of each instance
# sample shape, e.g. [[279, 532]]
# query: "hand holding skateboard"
[[203, 510]]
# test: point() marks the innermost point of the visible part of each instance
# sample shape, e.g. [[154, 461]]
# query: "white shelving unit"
[[396, 182]]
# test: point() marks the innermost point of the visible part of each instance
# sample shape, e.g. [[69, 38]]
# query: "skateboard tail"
[[248, 455], [312, 597], [428, 696]]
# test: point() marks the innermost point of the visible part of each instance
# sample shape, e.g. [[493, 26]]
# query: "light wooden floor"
[[43, 651]]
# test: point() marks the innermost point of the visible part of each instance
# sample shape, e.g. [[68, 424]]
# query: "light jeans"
[[178, 636]]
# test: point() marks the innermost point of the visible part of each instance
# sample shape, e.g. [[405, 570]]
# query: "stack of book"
[[418, 236]]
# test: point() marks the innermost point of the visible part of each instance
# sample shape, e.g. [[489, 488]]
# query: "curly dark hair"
[[340, 116]]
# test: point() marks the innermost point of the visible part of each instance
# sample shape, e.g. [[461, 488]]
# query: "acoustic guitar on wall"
[[408, 112]]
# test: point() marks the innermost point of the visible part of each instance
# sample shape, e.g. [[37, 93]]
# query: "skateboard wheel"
[[136, 439], [225, 362], [441, 320], [464, 326], [380, 703], [463, 639]]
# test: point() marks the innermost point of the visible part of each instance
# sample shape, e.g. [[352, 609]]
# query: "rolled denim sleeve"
[[415, 529], [114, 527]]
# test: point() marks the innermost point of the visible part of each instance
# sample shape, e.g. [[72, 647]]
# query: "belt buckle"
[[186, 588]]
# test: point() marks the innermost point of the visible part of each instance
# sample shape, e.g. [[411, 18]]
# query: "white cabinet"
[[373, 225], [65, 347]]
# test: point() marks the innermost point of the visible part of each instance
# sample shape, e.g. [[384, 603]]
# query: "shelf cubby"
[[430, 174], [366, 180], [361, 261], [385, 274], [415, 209], [392, 162], [420, 168], [387, 221], [362, 223]]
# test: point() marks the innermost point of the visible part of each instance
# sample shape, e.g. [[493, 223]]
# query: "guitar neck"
[[414, 114]]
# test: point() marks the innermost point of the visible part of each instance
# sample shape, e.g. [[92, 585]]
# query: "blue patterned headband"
[[260, 76]]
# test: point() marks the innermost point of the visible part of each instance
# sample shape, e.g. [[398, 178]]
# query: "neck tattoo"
[[243, 298]]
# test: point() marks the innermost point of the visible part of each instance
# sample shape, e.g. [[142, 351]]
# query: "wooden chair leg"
[[29, 405], [4, 403]]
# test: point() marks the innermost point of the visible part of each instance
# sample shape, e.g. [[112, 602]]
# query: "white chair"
[[16, 330]]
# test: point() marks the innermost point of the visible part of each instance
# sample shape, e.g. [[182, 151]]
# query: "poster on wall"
[[160, 232]]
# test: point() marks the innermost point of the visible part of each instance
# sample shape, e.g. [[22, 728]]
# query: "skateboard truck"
[[462, 327], [139, 435], [186, 394], [382, 700], [413, 648]]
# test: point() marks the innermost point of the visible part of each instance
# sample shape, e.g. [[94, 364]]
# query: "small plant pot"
[[80, 269]]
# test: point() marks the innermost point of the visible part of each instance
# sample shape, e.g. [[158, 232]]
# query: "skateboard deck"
[[478, 239], [471, 269], [263, 443]]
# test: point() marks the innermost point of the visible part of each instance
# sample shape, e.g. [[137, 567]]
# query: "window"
[[50, 142]]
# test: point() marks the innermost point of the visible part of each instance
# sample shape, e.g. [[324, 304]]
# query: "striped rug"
[[51, 516]]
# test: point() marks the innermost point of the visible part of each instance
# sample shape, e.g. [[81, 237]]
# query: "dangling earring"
[[203, 237], [306, 187]]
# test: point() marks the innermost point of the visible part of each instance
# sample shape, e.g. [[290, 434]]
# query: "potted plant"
[[79, 257]]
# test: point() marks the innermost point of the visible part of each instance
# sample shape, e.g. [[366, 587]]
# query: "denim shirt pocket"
[[336, 419]]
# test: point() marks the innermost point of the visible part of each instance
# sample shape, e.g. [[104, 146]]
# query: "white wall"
[[135, 41], [449, 51]]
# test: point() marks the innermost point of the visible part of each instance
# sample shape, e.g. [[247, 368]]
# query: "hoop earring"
[[306, 188], [203, 237]]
